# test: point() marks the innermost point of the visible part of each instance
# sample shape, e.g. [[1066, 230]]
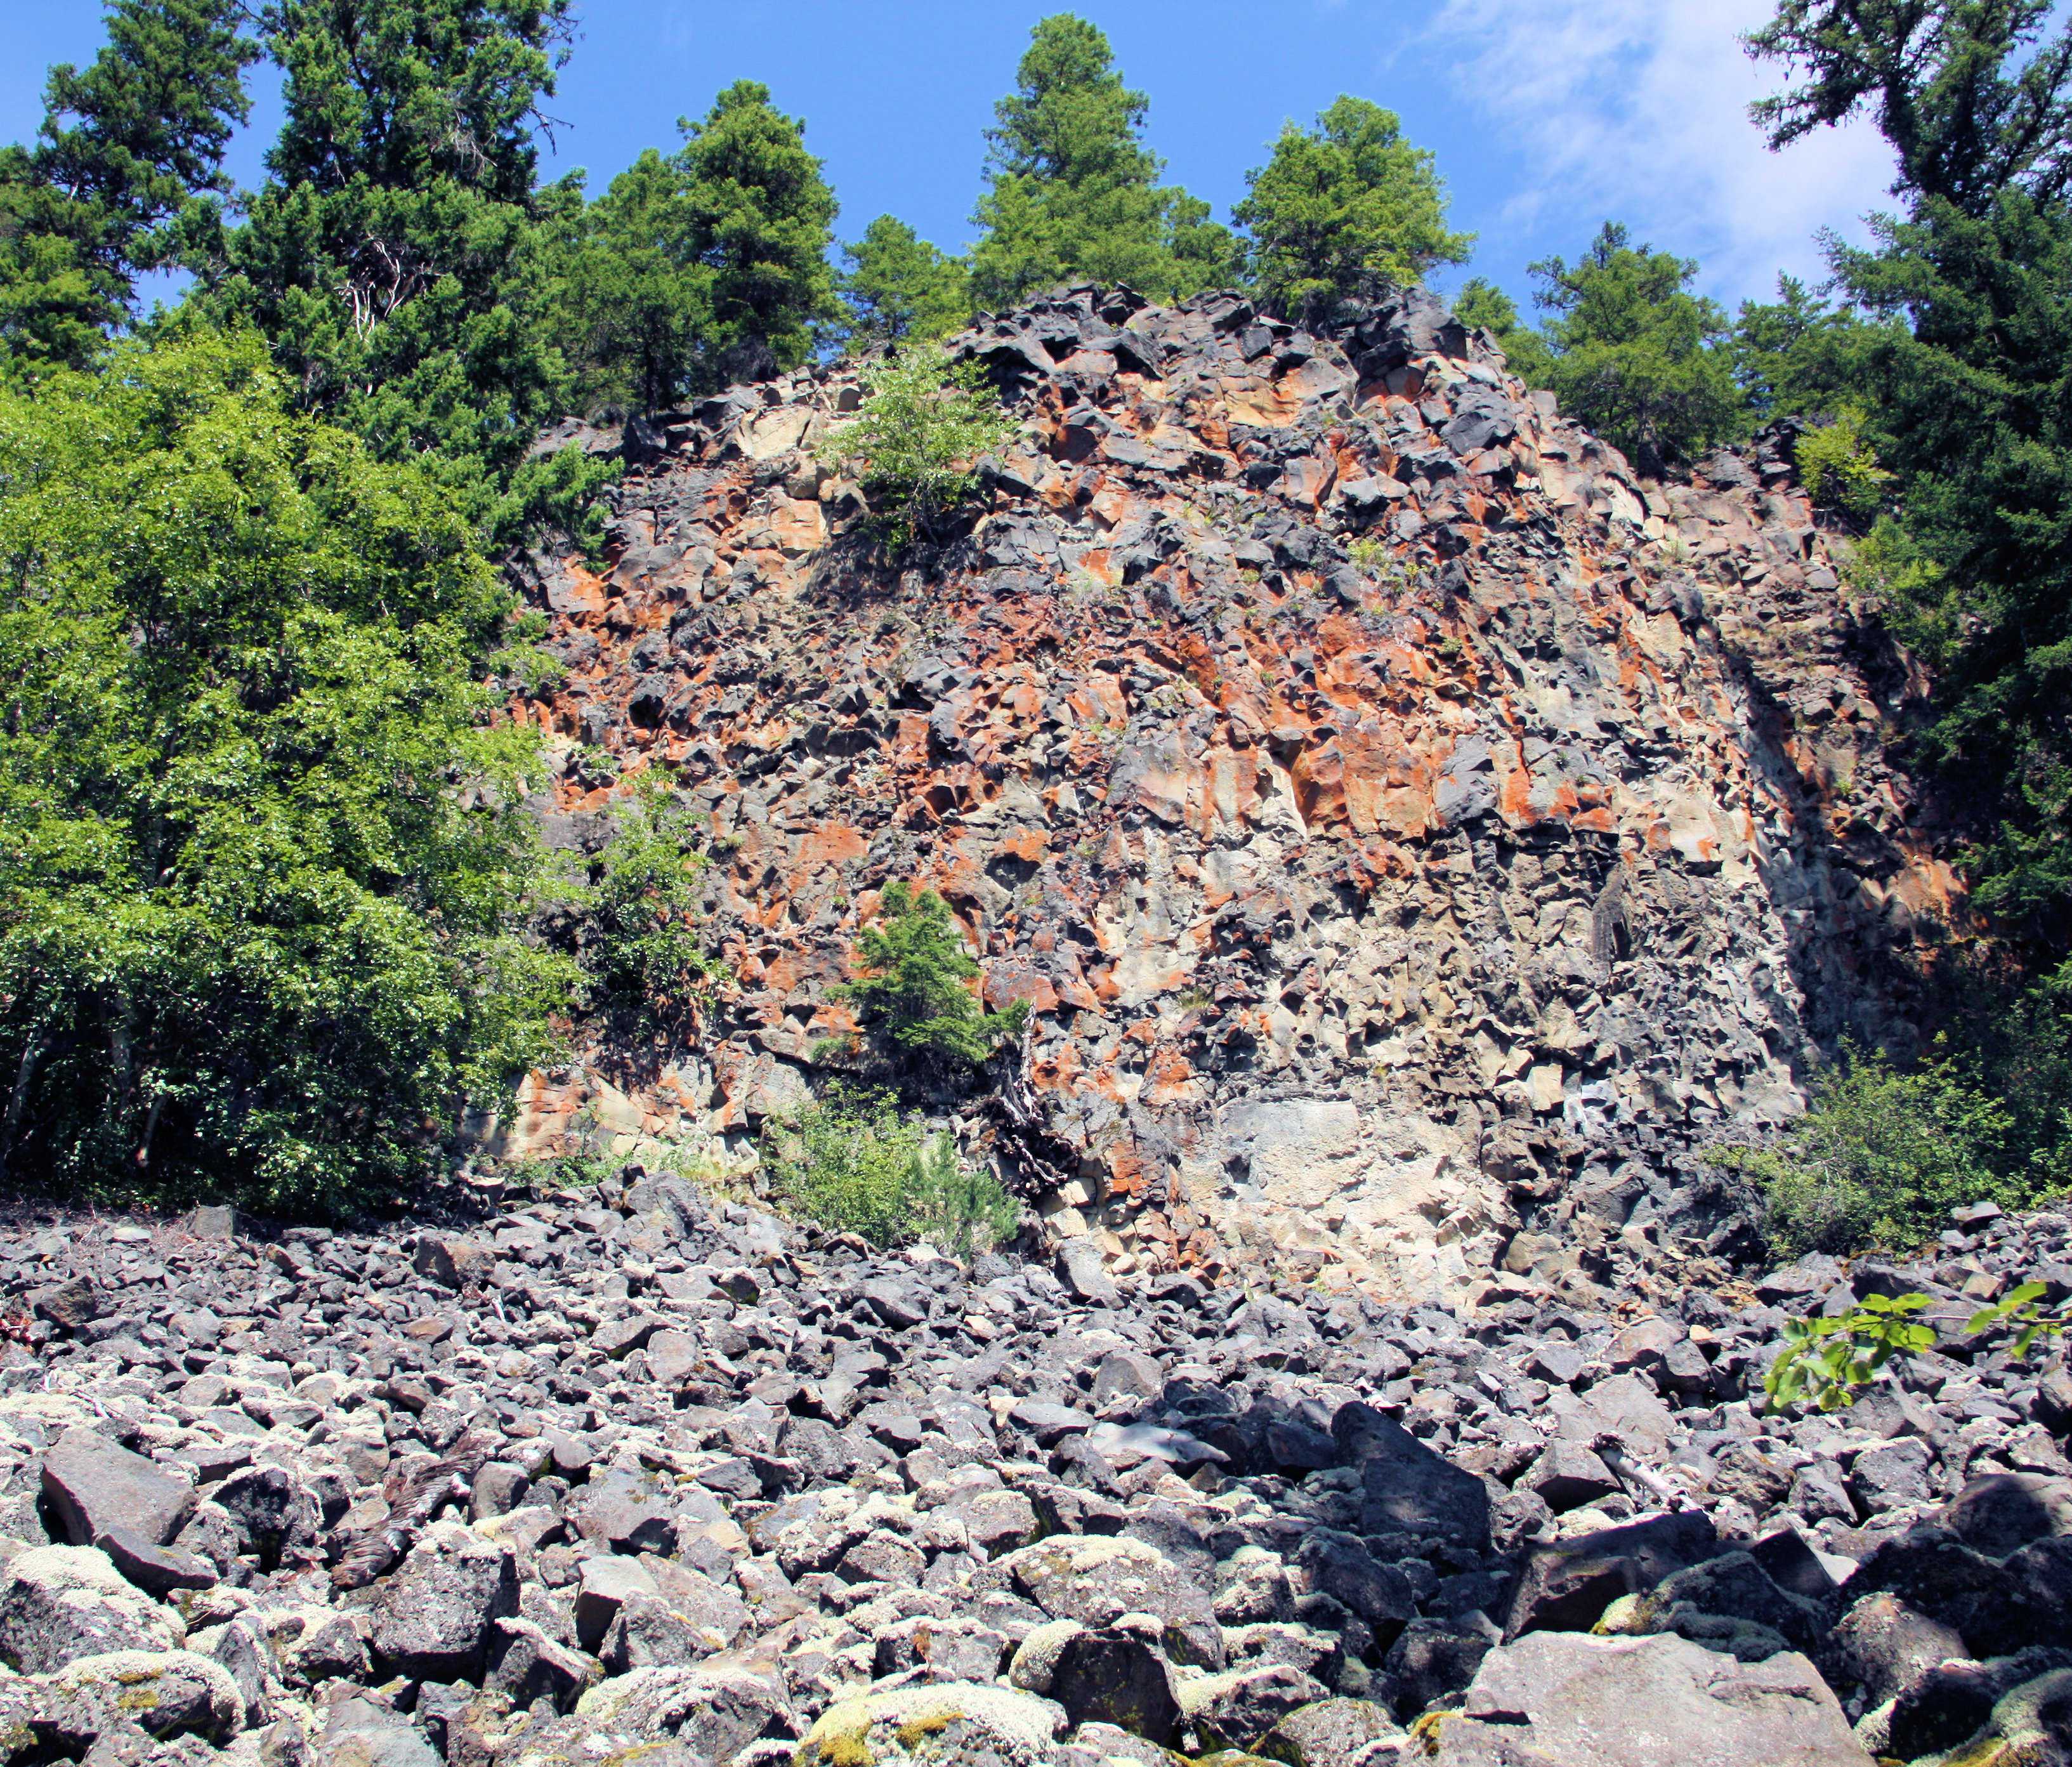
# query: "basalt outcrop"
[[1414, 835]]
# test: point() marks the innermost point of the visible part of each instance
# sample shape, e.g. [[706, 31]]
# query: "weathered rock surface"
[[437, 1525], [1412, 834]]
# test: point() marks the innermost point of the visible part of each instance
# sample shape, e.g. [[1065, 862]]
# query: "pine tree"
[[1344, 210], [1967, 380], [762, 216], [388, 258], [1635, 355], [703, 267], [125, 145], [1072, 191], [1480, 302], [897, 286], [1799, 355], [632, 301]]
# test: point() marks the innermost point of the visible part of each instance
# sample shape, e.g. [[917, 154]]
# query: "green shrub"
[[1831, 1358], [854, 1162], [1884, 1154], [1839, 467], [641, 955], [923, 422], [915, 986], [264, 857]]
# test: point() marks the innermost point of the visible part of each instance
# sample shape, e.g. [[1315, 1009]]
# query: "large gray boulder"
[[1097, 1578], [1568, 1700], [60, 1603], [435, 1616], [168, 1693], [956, 1722], [1407, 1488], [94, 1486]]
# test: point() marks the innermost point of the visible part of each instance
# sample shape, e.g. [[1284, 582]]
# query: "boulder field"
[[1413, 834], [635, 1474]]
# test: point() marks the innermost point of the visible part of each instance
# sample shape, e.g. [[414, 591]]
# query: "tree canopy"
[[1072, 191], [126, 144], [1345, 210], [255, 929]]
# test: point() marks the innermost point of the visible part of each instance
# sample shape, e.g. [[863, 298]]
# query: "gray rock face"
[[94, 1486], [436, 1615], [1580, 1702]]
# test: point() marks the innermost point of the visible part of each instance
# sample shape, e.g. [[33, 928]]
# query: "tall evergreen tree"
[[1801, 354], [387, 257], [631, 300], [897, 286], [762, 215], [126, 144], [706, 266], [1072, 191], [1344, 209], [1633, 354]]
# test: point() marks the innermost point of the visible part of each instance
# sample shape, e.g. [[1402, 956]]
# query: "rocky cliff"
[[1414, 834]]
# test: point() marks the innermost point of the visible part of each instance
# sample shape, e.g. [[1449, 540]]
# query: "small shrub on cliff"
[[924, 422], [1883, 1155], [854, 1162], [642, 958], [1839, 468], [916, 984]]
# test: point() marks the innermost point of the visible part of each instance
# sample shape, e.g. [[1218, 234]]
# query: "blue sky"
[[1547, 116]]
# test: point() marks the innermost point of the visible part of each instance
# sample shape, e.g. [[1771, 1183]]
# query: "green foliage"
[[854, 1162], [1970, 112], [923, 423], [701, 267], [762, 218], [390, 259], [125, 145], [1973, 410], [2021, 1310], [1884, 1154], [1345, 209], [1828, 1360], [263, 854], [1635, 355], [1482, 303], [1799, 355], [641, 951], [1966, 385], [1072, 192], [1839, 468], [898, 287], [916, 982], [631, 301]]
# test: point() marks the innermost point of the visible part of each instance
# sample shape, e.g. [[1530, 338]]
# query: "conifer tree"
[[897, 286], [1072, 191], [126, 144], [387, 256], [1633, 354], [703, 267], [1344, 210], [762, 216]]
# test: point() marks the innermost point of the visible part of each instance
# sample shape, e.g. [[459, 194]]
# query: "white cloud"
[[1637, 110]]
